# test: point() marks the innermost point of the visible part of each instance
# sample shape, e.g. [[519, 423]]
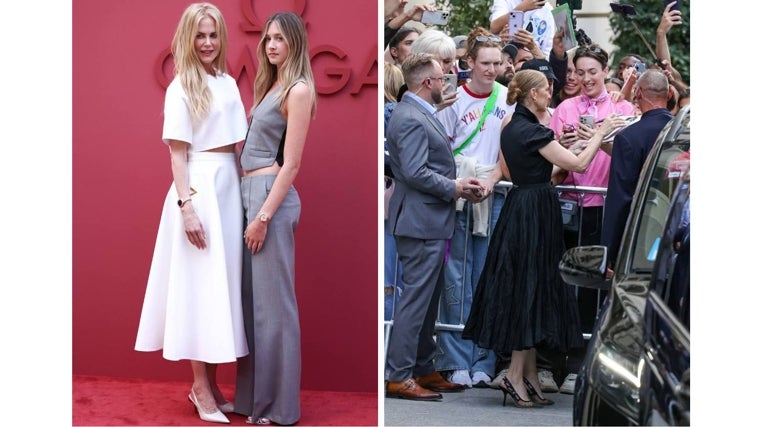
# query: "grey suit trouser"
[[411, 347], [269, 378]]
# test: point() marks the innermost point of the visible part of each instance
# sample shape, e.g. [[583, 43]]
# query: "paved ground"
[[477, 407]]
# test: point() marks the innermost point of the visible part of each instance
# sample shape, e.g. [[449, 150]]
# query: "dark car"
[[637, 365]]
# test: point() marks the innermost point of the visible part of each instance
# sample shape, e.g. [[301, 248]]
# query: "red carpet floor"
[[104, 401]]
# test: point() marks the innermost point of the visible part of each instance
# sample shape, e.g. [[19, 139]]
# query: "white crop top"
[[225, 124]]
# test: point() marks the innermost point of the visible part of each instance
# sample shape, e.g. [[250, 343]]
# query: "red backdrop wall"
[[121, 174]]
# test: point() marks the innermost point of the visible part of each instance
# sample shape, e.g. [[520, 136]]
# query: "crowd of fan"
[[528, 48]]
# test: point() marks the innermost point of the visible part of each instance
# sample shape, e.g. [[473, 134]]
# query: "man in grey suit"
[[421, 218]]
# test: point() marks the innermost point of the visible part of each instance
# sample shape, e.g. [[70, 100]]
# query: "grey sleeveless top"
[[266, 134]]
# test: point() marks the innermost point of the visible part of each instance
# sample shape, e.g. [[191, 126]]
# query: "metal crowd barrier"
[[582, 191]]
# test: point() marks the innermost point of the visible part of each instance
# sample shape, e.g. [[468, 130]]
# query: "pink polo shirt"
[[598, 171]]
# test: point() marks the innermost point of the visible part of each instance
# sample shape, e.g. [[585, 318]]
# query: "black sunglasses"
[[589, 49]]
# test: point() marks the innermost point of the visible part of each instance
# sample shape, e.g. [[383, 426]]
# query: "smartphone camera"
[[435, 18], [515, 22], [640, 67], [450, 83], [675, 6], [588, 120]]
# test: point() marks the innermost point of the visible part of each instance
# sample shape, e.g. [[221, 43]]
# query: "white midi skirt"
[[192, 308]]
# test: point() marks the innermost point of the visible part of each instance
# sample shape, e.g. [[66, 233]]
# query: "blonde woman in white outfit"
[[192, 308]]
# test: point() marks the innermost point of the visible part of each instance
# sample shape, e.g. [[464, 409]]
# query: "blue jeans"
[[461, 277], [392, 274]]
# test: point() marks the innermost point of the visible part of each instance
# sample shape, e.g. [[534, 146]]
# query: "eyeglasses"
[[441, 79]]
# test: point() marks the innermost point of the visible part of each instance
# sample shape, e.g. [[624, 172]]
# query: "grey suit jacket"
[[422, 205]]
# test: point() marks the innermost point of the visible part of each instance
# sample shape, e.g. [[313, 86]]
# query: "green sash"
[[486, 111]]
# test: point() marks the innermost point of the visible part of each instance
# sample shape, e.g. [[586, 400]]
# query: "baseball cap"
[[460, 42], [511, 49], [541, 65]]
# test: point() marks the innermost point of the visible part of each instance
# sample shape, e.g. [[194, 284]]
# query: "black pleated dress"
[[521, 301]]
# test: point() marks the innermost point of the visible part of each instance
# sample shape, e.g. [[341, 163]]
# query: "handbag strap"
[[486, 111]]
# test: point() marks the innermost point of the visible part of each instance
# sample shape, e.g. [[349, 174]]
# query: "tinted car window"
[[672, 278], [671, 161]]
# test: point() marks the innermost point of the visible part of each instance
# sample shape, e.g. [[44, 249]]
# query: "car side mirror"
[[585, 266]]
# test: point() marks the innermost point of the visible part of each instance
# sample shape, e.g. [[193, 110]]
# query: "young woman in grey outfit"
[[269, 379]]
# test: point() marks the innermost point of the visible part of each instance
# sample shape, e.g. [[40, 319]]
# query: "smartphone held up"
[[515, 22], [587, 119], [435, 17], [624, 9], [675, 6]]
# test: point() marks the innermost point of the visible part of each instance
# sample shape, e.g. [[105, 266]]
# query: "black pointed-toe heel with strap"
[[506, 388], [534, 396]]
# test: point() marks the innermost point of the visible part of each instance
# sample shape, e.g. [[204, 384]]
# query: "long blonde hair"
[[295, 67], [187, 64], [394, 79]]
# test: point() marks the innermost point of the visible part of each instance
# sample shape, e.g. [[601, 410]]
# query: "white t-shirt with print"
[[463, 116]]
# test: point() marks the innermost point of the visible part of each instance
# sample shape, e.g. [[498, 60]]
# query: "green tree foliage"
[[647, 18], [465, 15]]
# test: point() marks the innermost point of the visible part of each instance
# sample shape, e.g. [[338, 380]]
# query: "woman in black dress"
[[521, 301]]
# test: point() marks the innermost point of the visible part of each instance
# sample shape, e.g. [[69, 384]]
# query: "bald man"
[[629, 151]]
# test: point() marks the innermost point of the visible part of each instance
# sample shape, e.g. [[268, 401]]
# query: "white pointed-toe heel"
[[214, 417]]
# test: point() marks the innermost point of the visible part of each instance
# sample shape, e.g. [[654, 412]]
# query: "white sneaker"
[[461, 377], [568, 386], [497, 379], [546, 379], [480, 379]]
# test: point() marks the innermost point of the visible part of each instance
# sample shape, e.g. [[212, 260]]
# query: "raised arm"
[[525, 38], [402, 17], [669, 19], [500, 12]]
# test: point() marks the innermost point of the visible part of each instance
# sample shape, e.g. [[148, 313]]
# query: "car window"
[[677, 290], [669, 164], [671, 278]]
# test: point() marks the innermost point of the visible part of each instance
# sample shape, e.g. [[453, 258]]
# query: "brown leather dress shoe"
[[436, 382], [409, 389]]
